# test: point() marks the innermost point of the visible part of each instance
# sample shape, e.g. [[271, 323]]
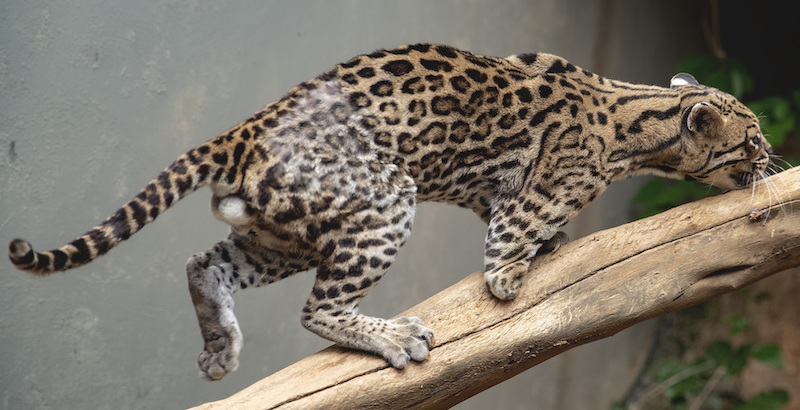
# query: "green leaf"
[[769, 354], [722, 353], [689, 386], [776, 116], [679, 405], [714, 401], [729, 74], [684, 378], [648, 190], [761, 297], [658, 195], [740, 81], [770, 400], [738, 323], [796, 98], [670, 368]]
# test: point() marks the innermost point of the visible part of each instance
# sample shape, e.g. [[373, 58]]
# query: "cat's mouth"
[[742, 179]]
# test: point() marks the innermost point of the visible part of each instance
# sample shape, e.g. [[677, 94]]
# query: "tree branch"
[[585, 291]]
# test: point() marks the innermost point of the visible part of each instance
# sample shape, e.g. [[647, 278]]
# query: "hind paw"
[[220, 357]]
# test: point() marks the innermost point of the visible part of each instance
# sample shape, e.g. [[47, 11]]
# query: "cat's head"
[[720, 136]]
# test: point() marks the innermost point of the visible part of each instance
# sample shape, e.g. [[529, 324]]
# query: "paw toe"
[[214, 366], [411, 341], [506, 282], [418, 350], [399, 360], [220, 357]]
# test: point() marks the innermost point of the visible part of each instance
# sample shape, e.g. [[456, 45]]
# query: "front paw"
[[405, 340], [220, 357], [506, 281]]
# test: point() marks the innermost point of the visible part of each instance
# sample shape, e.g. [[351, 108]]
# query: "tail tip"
[[20, 252]]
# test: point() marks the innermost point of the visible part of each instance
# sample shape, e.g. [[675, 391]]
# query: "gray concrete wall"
[[96, 97]]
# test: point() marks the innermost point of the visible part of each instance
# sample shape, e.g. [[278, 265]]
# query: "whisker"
[[763, 181], [773, 158], [711, 183], [774, 165], [779, 177], [773, 190], [770, 191], [777, 169]]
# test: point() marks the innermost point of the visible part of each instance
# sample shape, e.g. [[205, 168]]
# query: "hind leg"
[[214, 276], [337, 319], [356, 257]]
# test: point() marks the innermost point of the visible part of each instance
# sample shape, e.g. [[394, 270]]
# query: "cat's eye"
[[755, 140]]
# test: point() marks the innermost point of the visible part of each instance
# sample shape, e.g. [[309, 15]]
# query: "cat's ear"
[[704, 118], [682, 79]]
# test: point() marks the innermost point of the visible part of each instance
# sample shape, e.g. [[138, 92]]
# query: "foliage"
[[773, 399], [681, 384], [684, 382], [780, 118], [659, 194], [729, 75]]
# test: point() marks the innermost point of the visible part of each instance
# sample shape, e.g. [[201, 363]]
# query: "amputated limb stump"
[[587, 290]]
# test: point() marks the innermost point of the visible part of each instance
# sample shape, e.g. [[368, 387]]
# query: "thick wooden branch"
[[587, 290]]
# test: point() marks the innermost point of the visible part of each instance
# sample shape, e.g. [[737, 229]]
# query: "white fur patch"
[[232, 210]]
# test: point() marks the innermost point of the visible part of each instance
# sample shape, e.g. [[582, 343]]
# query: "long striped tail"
[[191, 171]]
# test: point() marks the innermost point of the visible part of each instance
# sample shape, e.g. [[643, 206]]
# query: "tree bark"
[[587, 290]]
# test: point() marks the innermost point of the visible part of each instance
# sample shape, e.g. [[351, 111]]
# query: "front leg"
[[508, 256], [527, 222], [505, 281], [516, 234]]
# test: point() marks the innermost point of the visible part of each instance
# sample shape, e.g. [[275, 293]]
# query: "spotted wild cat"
[[328, 177]]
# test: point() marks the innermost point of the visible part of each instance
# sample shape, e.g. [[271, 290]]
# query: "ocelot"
[[328, 177]]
